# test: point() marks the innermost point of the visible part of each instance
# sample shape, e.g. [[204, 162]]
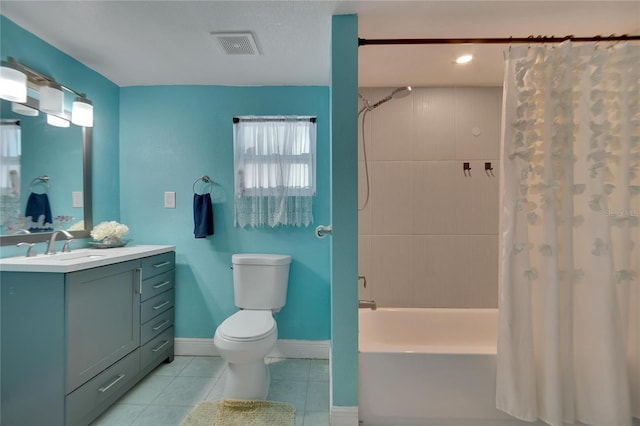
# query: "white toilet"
[[246, 337]]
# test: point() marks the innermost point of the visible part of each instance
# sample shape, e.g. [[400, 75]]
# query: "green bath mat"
[[235, 412]]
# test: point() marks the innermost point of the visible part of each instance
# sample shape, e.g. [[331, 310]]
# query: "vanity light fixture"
[[464, 59], [13, 82], [82, 111], [24, 109], [51, 97], [54, 120], [14, 79]]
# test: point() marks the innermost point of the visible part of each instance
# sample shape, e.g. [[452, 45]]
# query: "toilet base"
[[247, 381]]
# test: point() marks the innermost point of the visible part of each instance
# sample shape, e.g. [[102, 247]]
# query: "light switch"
[[76, 197], [170, 200]]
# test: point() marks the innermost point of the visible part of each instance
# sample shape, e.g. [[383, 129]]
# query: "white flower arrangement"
[[109, 231]]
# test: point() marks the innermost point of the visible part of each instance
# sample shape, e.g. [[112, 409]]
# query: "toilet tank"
[[260, 280]]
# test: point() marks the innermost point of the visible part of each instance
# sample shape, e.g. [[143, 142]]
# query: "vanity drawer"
[[156, 285], [86, 402], [159, 264], [156, 305], [158, 348], [155, 326]]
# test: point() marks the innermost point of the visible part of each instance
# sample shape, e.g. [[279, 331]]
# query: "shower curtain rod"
[[499, 40]]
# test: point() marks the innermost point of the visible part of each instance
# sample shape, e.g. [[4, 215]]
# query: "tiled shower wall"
[[428, 237]]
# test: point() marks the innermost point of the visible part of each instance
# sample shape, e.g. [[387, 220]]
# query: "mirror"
[[43, 166]]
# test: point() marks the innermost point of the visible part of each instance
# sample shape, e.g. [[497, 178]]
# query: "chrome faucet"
[[369, 304], [31, 251], [51, 247]]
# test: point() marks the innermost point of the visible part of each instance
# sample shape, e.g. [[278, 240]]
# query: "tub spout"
[[369, 304]]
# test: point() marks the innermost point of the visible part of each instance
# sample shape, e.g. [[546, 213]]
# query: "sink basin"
[[71, 256]]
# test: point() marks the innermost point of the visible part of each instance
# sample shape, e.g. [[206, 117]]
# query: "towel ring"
[[36, 180], [207, 181]]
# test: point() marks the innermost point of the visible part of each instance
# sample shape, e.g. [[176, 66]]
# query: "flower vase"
[[112, 241]]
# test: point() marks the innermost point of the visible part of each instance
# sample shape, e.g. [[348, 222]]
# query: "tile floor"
[[169, 393]]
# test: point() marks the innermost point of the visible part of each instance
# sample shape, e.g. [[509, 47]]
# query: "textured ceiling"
[[169, 42]]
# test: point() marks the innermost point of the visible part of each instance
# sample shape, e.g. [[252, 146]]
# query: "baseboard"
[[190, 346], [343, 416], [285, 348], [314, 349]]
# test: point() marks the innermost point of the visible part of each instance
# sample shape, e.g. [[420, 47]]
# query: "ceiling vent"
[[237, 43]]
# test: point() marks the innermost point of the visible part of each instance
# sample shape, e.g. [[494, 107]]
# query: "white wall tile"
[[434, 124], [437, 270], [429, 235], [434, 193], [477, 108], [364, 266], [476, 199], [392, 130], [391, 263], [484, 270], [364, 214], [455, 271], [391, 197]]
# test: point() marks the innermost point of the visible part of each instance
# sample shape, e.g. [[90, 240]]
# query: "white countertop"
[[80, 259]]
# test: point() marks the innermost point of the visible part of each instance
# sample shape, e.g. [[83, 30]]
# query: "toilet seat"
[[247, 325]]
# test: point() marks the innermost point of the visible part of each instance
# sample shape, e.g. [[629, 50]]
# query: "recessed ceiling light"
[[464, 59]]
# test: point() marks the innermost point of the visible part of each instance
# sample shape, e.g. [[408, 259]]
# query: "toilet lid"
[[247, 325]]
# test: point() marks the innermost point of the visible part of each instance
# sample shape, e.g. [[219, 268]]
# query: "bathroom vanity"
[[79, 329]]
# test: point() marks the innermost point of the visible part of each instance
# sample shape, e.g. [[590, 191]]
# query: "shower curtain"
[[569, 334]]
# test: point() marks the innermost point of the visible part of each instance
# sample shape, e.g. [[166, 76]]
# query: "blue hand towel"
[[38, 208], [202, 215]]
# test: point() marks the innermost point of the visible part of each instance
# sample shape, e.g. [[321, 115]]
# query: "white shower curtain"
[[569, 336]]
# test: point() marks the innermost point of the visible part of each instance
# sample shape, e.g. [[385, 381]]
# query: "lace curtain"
[[569, 335], [274, 170]]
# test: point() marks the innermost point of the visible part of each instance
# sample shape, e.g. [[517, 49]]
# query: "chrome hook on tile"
[[488, 169], [466, 169]]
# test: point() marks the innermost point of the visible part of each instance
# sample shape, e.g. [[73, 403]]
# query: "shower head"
[[401, 92], [398, 93]]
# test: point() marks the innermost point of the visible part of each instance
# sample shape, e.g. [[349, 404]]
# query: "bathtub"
[[428, 367]]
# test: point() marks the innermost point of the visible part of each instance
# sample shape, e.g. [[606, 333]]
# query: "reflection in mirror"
[[43, 173]]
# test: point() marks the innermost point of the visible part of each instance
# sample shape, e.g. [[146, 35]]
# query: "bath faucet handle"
[[67, 246], [31, 251]]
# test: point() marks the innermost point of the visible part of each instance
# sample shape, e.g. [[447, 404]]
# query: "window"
[[274, 170]]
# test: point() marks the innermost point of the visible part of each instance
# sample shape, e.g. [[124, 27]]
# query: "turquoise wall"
[[36, 53], [172, 135], [148, 140], [344, 210]]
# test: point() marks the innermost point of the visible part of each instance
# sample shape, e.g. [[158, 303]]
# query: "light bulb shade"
[[82, 112], [24, 109], [51, 98], [54, 120], [13, 83]]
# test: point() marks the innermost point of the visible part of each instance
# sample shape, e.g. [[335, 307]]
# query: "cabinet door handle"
[[161, 264], [139, 280], [161, 305], [160, 285], [160, 346], [160, 325], [116, 380]]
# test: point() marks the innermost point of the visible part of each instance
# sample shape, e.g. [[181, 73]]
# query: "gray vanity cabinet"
[[157, 300], [102, 319], [73, 343]]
